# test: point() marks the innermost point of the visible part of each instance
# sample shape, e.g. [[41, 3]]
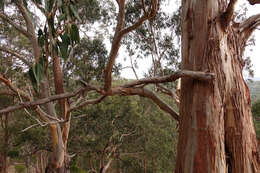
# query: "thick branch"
[[226, 17], [30, 29], [247, 27], [119, 33], [12, 52], [115, 45], [143, 92], [170, 78]]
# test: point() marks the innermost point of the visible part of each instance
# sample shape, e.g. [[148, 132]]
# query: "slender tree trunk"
[[60, 162], [216, 127]]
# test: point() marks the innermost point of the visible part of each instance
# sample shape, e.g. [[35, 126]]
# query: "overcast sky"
[[253, 52]]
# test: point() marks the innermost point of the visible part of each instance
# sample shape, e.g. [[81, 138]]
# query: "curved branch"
[[115, 45], [8, 83], [30, 29], [119, 33], [12, 52], [247, 27], [143, 92]]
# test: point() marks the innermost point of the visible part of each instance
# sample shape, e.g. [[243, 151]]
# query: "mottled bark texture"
[[216, 126]]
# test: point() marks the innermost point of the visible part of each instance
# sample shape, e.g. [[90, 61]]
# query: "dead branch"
[[42, 101], [170, 78], [14, 53], [87, 102]]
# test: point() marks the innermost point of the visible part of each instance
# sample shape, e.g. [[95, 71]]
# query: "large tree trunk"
[[216, 127]]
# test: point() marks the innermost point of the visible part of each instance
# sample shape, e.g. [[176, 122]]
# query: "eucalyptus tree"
[[217, 133], [50, 47], [219, 122]]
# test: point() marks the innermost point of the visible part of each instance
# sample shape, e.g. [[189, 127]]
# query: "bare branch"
[[143, 92], [20, 29], [119, 33], [42, 101], [87, 102], [170, 78], [133, 68], [247, 27], [134, 26], [170, 93], [13, 88], [115, 45], [12, 52], [30, 29]]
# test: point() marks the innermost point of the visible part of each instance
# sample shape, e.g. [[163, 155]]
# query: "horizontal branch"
[[42, 101], [14, 53], [170, 78]]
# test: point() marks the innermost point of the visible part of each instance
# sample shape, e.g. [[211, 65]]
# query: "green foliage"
[[74, 33], [143, 126], [256, 115], [36, 73]]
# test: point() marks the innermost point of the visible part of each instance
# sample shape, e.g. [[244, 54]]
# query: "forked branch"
[[120, 32], [226, 17]]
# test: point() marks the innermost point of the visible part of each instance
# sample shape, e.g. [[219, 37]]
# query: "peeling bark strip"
[[217, 134]]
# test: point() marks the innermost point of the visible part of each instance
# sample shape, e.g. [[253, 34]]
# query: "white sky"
[[253, 52]]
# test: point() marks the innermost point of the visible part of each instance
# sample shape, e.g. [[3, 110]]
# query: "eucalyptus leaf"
[[74, 33], [33, 79], [74, 11]]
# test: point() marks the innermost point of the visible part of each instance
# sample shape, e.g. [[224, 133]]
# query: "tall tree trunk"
[[60, 162], [216, 127]]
